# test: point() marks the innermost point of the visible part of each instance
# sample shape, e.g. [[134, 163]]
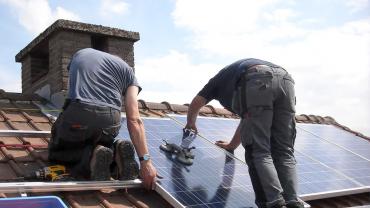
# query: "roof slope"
[[20, 155]]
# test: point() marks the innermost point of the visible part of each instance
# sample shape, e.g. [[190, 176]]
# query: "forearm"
[[236, 140], [137, 134], [197, 103]]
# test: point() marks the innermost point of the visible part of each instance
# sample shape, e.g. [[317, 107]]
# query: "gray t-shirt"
[[99, 78]]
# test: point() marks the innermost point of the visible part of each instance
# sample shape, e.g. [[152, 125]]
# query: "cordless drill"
[[48, 173]]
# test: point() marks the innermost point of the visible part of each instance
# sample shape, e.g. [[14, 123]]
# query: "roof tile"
[[18, 154], [22, 126], [6, 172], [10, 140]]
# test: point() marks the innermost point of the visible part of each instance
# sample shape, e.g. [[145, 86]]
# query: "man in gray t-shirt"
[[84, 135]]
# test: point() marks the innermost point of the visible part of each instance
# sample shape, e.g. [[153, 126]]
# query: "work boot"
[[294, 204], [128, 168], [100, 162]]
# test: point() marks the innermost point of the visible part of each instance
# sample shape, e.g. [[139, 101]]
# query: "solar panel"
[[214, 180], [340, 138], [321, 166], [327, 146]]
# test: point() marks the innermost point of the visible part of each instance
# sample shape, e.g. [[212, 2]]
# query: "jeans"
[[268, 133], [78, 130]]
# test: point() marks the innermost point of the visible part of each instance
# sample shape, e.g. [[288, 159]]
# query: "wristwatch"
[[145, 157]]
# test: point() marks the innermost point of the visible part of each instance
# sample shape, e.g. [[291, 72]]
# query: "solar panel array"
[[214, 180], [328, 158]]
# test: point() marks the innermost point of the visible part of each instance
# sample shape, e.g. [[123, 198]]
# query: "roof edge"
[[160, 109], [16, 96], [62, 24], [314, 119]]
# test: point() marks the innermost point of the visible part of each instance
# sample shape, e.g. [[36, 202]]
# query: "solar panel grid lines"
[[333, 156], [214, 180], [322, 166], [340, 138]]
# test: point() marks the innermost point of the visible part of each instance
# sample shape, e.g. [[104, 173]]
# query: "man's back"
[[99, 78]]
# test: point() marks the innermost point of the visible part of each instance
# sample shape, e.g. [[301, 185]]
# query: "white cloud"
[[170, 78], [9, 81], [330, 65], [36, 15], [109, 7], [357, 5]]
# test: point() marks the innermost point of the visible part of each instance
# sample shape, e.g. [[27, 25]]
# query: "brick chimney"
[[45, 59]]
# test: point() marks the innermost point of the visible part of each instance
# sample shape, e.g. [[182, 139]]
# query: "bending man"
[[262, 94]]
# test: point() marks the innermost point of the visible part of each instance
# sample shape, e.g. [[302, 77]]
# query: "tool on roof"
[[49, 173], [183, 152]]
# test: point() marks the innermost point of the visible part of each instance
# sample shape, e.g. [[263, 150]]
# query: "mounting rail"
[[24, 133], [27, 187]]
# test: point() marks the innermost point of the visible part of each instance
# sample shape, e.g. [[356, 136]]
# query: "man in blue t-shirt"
[[84, 135], [262, 94]]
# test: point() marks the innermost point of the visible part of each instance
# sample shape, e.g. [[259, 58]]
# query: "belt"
[[90, 105]]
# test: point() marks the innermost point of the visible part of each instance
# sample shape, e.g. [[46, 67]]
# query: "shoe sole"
[[103, 159], [125, 156]]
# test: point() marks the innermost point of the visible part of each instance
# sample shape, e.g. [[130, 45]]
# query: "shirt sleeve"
[[209, 91], [131, 80]]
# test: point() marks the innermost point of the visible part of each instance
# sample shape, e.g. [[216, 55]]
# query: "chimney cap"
[[66, 25]]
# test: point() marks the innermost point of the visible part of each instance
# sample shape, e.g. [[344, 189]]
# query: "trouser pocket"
[[71, 135], [258, 92]]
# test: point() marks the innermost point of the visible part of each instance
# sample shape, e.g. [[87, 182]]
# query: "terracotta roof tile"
[[6, 172], [10, 140], [22, 126], [2, 159], [43, 126], [19, 155], [35, 116], [176, 108], [4, 125]]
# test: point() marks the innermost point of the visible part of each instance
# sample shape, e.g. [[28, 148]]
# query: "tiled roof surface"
[[19, 155]]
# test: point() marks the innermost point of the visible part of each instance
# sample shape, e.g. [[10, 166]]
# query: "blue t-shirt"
[[221, 87], [99, 78]]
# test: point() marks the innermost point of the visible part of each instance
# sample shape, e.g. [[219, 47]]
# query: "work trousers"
[[78, 130], [267, 99]]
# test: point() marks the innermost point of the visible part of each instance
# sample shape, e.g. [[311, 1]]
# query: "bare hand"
[[225, 145], [148, 173]]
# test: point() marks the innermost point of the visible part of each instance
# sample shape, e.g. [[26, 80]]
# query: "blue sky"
[[324, 44]]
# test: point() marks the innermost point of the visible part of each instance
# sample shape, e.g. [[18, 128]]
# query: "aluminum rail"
[[24, 133], [330, 194], [29, 187]]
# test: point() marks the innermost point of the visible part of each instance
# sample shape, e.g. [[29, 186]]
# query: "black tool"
[[183, 152]]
